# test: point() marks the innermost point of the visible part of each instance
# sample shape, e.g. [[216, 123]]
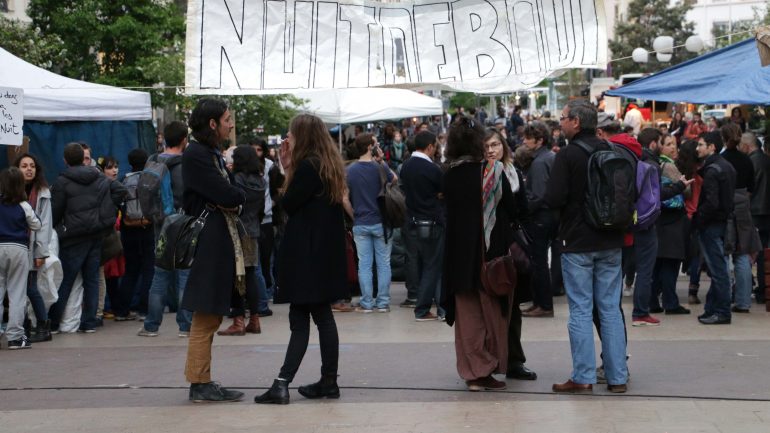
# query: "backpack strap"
[[587, 148]]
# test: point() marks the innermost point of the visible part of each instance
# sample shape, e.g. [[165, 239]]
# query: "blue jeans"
[[157, 299], [81, 257], [38, 306], [742, 264], [595, 278], [712, 245], [371, 246], [645, 252]]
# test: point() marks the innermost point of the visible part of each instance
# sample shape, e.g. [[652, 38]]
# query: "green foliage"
[[137, 43], [262, 115], [467, 100], [645, 20], [27, 43], [743, 28]]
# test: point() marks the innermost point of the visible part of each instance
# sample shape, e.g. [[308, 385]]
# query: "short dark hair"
[[538, 130], [466, 137], [731, 135], [12, 186], [363, 141], [74, 154], [585, 112], [424, 139], [137, 159], [245, 160], [107, 162], [713, 137], [648, 135], [175, 133], [205, 110]]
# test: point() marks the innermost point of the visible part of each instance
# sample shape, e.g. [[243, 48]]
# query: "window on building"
[[4, 6]]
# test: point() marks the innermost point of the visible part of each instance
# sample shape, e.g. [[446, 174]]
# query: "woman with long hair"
[[218, 269], [688, 163], [39, 197], [476, 234], [678, 126], [312, 260]]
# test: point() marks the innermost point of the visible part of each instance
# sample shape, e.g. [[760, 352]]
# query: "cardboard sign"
[[493, 46], [11, 116]]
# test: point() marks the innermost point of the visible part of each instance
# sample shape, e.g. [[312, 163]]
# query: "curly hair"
[[466, 137]]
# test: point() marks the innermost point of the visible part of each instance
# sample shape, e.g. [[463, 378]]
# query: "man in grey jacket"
[[760, 203]]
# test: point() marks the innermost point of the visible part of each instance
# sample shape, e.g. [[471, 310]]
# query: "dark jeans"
[[542, 230], [424, 265], [83, 257], [515, 351], [139, 251], [664, 282], [629, 265], [299, 321], [764, 235], [38, 306], [645, 250], [712, 245], [266, 244]]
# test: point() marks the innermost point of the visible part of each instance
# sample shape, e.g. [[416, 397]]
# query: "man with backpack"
[[650, 195], [176, 141], [83, 209], [591, 246]]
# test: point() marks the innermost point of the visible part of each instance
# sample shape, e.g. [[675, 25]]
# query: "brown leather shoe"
[[617, 389], [538, 312], [237, 328], [572, 387], [342, 307], [488, 383], [253, 326]]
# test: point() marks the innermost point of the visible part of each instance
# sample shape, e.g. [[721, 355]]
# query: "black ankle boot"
[[41, 333], [324, 388], [277, 394]]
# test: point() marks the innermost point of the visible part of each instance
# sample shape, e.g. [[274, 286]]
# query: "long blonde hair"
[[312, 141]]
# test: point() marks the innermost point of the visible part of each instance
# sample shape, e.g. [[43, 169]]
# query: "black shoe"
[[266, 313], [735, 309], [324, 388], [99, 322], [41, 333], [715, 319], [212, 392], [655, 310], [21, 343], [678, 310], [86, 330], [277, 394], [408, 303], [520, 372]]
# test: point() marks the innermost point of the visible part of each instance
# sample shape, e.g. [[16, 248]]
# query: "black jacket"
[[421, 182], [566, 193], [537, 178], [760, 198], [212, 277], [312, 258], [253, 187], [84, 204], [716, 201]]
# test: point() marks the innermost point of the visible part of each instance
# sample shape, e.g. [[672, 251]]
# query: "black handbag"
[[178, 240]]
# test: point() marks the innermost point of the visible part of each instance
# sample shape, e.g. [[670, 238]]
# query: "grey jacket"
[[537, 179], [39, 240]]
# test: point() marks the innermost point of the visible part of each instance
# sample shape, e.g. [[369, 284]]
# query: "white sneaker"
[[628, 291]]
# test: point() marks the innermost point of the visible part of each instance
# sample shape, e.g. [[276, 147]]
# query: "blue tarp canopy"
[[731, 75]]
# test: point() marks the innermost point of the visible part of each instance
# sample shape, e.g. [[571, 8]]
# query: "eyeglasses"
[[562, 118]]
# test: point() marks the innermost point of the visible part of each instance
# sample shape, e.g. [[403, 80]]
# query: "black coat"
[[212, 276], [463, 240], [312, 265]]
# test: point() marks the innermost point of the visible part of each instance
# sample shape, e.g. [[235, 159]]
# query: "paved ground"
[[396, 376]]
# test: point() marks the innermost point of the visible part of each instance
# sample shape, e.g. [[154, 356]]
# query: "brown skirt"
[[481, 335]]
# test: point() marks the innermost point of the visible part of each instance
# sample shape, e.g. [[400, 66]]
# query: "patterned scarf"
[[492, 193], [232, 227]]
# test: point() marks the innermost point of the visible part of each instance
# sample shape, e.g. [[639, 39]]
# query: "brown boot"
[[253, 326], [237, 328]]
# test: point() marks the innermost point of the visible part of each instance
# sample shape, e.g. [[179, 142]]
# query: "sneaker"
[[130, 317], [383, 310], [442, 318], [86, 331], [600, 377], [21, 343], [678, 310], [342, 307], [628, 291], [141, 317], [426, 318], [408, 303], [266, 313], [361, 309], [646, 321], [183, 334], [145, 333]]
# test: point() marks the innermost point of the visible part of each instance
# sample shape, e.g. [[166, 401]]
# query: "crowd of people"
[[311, 225]]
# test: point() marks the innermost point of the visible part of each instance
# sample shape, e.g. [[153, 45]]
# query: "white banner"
[[484, 46], [11, 116]]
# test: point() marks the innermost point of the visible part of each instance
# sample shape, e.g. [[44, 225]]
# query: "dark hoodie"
[[84, 204]]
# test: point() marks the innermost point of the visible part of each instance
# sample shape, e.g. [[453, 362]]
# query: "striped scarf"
[[492, 193]]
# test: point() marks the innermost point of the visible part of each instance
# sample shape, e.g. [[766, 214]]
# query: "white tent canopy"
[[51, 97], [367, 104]]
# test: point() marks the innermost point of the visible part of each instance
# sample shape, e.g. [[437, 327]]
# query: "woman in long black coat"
[[207, 186], [477, 221], [312, 261]]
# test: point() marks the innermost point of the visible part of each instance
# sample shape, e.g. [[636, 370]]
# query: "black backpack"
[[610, 188]]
